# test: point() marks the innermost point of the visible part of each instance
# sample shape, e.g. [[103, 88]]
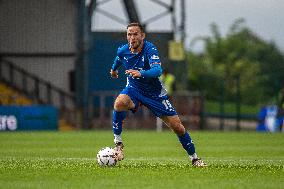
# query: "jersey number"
[[167, 104]]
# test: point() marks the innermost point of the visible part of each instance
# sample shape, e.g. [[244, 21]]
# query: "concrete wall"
[[40, 26]]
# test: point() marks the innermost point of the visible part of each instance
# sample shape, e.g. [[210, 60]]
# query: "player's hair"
[[136, 24]]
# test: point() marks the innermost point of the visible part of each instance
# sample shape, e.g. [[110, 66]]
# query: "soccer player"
[[143, 68]]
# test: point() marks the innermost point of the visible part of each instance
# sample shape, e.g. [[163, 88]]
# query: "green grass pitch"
[[152, 160]]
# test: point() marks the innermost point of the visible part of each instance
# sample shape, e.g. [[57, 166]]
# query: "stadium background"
[[54, 75], [52, 56]]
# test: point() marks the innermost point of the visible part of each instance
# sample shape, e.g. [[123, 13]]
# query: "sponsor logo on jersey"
[[157, 63], [155, 57]]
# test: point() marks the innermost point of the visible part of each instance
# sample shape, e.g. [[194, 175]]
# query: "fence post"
[[222, 110], [36, 89], [48, 93], [24, 82], [62, 101], [1, 68], [202, 117], [238, 103], [11, 74]]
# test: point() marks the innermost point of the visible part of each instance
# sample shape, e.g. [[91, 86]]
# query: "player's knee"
[[174, 123], [178, 129], [123, 103], [120, 105]]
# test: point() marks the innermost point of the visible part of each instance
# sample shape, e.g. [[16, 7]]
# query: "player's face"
[[135, 37]]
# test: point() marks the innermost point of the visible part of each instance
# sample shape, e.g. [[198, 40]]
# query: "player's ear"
[[143, 35]]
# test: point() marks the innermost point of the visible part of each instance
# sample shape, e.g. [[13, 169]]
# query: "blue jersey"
[[142, 60]]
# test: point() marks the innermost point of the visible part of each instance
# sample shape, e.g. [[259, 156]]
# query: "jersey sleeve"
[[117, 61], [153, 56], [154, 62], [155, 71]]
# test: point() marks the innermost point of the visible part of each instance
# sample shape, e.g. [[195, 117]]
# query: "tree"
[[241, 53]]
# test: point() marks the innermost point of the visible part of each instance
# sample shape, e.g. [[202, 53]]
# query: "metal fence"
[[189, 105], [37, 89]]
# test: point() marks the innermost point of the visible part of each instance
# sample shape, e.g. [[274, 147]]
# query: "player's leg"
[[162, 108], [175, 124], [122, 103]]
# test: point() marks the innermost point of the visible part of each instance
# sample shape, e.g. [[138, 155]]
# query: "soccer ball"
[[106, 157]]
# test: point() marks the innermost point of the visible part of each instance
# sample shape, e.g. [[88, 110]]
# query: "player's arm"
[[116, 64], [155, 64], [154, 71]]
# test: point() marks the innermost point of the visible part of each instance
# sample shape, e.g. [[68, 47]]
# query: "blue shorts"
[[160, 106]]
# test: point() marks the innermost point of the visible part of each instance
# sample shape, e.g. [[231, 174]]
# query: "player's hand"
[[133, 73], [114, 74]]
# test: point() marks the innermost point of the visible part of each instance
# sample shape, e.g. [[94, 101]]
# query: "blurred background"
[[224, 60]]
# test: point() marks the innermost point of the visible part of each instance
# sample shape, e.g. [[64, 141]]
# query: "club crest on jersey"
[[142, 58], [155, 57]]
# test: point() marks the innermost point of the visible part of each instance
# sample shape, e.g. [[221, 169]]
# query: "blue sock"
[[117, 119], [187, 143]]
